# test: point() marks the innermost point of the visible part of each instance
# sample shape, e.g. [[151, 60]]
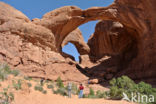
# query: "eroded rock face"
[[9, 13], [112, 48], [140, 20], [36, 61], [15, 22], [134, 43], [140, 15], [110, 38], [76, 38], [32, 49], [61, 22]]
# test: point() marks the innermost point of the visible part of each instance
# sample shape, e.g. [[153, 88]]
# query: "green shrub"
[[50, 86], [91, 93], [75, 90], [62, 91], [116, 93], [59, 83], [38, 88], [29, 84], [15, 72], [6, 97], [11, 96], [120, 85], [85, 96], [100, 94], [128, 86], [17, 84], [44, 92], [27, 78], [4, 71]]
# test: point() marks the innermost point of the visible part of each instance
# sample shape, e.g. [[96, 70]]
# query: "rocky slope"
[[123, 42], [132, 44], [32, 49]]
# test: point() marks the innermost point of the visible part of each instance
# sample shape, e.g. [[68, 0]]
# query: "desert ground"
[[39, 98]]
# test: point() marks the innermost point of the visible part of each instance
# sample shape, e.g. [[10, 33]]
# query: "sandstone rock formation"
[[112, 47], [139, 19], [17, 23], [128, 39], [110, 38], [76, 38], [31, 48]]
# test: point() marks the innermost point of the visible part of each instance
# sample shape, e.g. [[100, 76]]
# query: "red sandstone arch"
[[53, 28]]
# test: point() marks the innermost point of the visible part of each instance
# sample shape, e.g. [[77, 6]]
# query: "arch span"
[[76, 38], [64, 20], [135, 14]]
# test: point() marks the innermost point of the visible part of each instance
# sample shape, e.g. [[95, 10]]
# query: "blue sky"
[[37, 8]]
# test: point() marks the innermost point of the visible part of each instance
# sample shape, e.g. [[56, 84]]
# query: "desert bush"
[[6, 97], [85, 96], [15, 72], [120, 85], [74, 90], [50, 86], [38, 88], [59, 83], [44, 92], [17, 84], [128, 86], [62, 91], [100, 94], [5, 71], [29, 84], [92, 94], [60, 88], [28, 78]]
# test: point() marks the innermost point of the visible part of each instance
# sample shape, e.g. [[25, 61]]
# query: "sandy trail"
[[30, 96], [36, 97]]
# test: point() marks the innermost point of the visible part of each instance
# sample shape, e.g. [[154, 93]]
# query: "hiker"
[[88, 81], [42, 81], [69, 89], [81, 91]]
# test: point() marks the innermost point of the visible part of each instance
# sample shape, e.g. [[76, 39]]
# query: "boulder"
[[93, 81]]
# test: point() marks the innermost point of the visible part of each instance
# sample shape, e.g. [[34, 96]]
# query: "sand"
[[35, 97]]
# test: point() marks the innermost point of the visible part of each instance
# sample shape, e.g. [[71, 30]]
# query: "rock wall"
[[32, 49], [112, 48], [110, 38], [140, 15], [139, 19], [129, 38]]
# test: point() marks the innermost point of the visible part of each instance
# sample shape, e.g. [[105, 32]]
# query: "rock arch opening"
[[79, 39], [113, 46], [88, 29], [69, 50], [52, 30]]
